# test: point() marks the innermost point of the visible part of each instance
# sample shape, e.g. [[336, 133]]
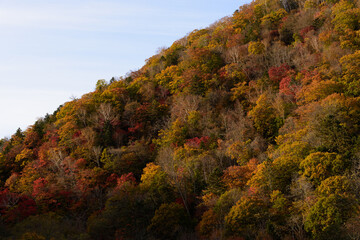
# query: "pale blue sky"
[[51, 50]]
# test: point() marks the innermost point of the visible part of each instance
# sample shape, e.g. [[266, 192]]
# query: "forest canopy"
[[246, 129]]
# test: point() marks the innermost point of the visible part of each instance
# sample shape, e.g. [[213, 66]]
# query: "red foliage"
[[15, 207], [142, 109], [39, 188], [25, 208], [252, 191], [305, 30], [198, 142], [180, 201], [41, 163], [137, 127], [8, 199], [222, 73], [278, 73], [52, 137], [77, 134], [31, 139], [112, 180], [80, 163], [125, 183], [288, 85], [283, 20], [126, 178], [152, 147], [235, 40], [310, 76]]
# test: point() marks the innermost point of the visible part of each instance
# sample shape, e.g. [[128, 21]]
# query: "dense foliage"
[[248, 129]]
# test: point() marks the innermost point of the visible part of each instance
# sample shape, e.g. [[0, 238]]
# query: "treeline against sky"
[[247, 129]]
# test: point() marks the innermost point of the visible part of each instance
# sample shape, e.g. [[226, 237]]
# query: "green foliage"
[[339, 185], [319, 166], [244, 217], [226, 201], [272, 19], [175, 135], [215, 185], [124, 216], [265, 120], [345, 16], [278, 200], [327, 216], [350, 73], [106, 158], [169, 221], [247, 21], [333, 123], [155, 182], [290, 153], [101, 85], [46, 226]]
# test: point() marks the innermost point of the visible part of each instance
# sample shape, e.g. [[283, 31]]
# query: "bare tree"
[[82, 116], [183, 105], [56, 156], [168, 164], [96, 152], [106, 112]]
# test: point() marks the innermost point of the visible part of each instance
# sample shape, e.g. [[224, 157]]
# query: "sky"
[[52, 51]]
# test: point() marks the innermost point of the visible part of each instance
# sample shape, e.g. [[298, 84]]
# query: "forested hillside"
[[247, 129]]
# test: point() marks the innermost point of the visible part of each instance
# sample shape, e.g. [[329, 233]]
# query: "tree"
[[256, 48], [244, 217], [273, 19], [265, 120], [333, 123], [327, 216], [350, 73], [125, 215], [278, 73], [319, 166], [155, 183], [101, 85], [345, 16], [208, 223], [339, 185], [45, 226], [315, 88], [169, 221], [238, 176]]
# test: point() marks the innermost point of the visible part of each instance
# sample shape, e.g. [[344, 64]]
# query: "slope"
[[247, 129]]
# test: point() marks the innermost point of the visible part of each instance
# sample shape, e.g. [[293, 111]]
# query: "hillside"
[[247, 129]]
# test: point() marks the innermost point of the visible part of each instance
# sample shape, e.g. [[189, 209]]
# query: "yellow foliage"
[[24, 157], [149, 174], [208, 223], [240, 151], [170, 78], [256, 48]]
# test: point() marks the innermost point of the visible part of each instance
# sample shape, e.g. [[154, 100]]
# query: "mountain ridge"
[[247, 129]]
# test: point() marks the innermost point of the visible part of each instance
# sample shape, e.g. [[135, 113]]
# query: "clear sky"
[[53, 50]]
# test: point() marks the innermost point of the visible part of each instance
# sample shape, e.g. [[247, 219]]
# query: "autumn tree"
[[170, 221], [264, 118]]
